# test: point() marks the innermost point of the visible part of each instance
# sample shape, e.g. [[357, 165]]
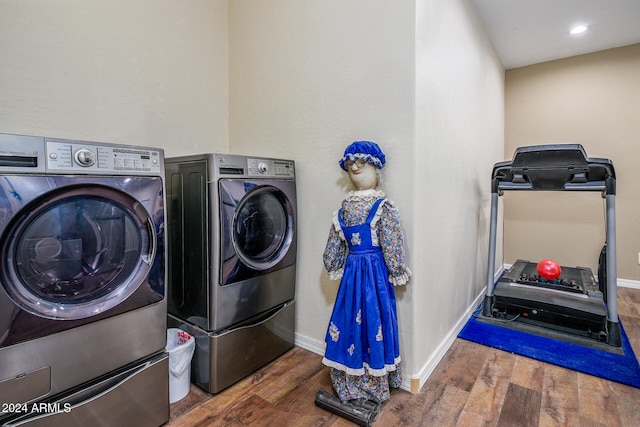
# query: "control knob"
[[263, 167], [85, 157]]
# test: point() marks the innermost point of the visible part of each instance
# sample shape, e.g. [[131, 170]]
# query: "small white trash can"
[[180, 346]]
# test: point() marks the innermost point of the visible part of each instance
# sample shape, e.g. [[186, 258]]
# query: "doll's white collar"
[[364, 195]]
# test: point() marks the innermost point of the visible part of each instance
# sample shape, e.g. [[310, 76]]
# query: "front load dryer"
[[232, 261]]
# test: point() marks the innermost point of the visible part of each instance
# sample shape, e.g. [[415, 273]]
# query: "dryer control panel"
[[270, 168]]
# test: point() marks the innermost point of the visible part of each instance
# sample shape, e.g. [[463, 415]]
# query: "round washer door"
[[263, 227], [77, 251]]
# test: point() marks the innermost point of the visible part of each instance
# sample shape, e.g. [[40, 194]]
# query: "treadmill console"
[[554, 167]]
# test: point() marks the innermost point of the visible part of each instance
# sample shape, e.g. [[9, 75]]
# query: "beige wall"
[[141, 72], [459, 122], [591, 99], [420, 78], [307, 79]]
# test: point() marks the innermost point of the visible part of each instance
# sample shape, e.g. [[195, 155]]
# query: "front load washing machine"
[[232, 261], [82, 300]]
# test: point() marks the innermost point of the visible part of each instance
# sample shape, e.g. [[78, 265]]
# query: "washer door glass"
[[77, 252], [262, 228]]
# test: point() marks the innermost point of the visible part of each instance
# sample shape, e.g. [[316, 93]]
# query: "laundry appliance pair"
[[232, 261]]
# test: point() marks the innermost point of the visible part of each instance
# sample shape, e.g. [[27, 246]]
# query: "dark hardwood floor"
[[472, 386]]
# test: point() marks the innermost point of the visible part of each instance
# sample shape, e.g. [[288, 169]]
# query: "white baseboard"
[[309, 344], [626, 283], [437, 356]]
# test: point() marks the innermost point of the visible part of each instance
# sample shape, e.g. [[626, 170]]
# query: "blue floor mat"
[[621, 368]]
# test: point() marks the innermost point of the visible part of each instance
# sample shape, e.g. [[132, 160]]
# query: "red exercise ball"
[[549, 269]]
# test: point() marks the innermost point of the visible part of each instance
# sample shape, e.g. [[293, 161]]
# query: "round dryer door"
[[262, 227], [77, 252]]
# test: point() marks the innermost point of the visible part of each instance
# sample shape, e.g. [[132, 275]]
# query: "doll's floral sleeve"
[[392, 243], [335, 253]]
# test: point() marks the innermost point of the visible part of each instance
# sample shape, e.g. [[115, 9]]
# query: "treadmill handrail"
[[587, 186]]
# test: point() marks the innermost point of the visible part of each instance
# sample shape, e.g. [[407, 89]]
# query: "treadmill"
[[571, 305]]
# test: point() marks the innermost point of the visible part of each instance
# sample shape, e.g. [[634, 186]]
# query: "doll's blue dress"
[[362, 337]]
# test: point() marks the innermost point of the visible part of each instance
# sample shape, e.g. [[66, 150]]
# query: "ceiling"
[[525, 32]]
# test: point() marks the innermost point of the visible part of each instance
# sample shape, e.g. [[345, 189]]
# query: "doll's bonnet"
[[367, 150]]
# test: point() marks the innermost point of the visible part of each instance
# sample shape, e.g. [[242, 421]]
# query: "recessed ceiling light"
[[578, 29]]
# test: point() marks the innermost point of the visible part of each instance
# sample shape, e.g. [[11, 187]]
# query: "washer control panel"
[[270, 168], [79, 157]]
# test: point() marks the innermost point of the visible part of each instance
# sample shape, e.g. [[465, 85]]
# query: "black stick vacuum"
[[361, 411]]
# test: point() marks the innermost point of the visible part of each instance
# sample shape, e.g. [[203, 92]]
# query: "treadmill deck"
[[572, 303]]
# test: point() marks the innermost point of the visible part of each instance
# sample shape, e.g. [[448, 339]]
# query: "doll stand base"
[[361, 412]]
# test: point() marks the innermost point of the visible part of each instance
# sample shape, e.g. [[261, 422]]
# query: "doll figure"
[[365, 252]]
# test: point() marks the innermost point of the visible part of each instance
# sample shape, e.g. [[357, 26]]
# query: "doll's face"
[[363, 174]]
